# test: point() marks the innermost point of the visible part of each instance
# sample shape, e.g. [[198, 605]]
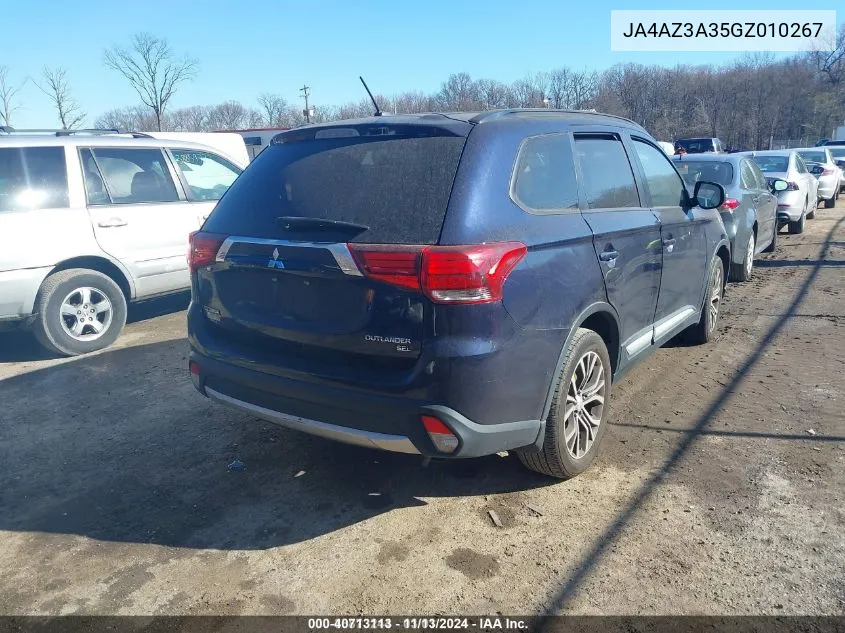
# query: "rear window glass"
[[838, 152], [696, 145], [816, 157], [398, 186], [32, 178], [712, 171], [773, 163], [544, 178]]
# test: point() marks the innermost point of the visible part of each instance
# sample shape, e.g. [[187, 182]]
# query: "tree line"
[[745, 103]]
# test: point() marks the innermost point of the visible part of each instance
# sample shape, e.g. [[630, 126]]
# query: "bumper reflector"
[[195, 374], [444, 440]]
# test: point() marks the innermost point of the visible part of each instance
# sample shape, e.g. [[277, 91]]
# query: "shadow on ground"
[[119, 447]]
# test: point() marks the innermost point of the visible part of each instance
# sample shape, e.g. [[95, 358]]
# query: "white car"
[[92, 220], [830, 178], [799, 201]]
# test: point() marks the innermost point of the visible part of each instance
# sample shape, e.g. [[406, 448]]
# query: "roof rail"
[[7, 129], [495, 114]]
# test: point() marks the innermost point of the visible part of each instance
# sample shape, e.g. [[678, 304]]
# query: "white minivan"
[[93, 220]]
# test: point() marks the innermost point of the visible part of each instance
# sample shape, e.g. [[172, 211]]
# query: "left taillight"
[[202, 249]]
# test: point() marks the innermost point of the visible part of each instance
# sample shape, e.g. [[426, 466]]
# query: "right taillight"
[[445, 274], [202, 249], [730, 204]]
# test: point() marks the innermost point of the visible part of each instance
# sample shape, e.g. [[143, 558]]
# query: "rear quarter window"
[[32, 178], [544, 175]]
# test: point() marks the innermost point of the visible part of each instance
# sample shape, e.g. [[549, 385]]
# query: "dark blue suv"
[[452, 285]]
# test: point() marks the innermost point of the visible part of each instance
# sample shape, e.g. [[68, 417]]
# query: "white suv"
[[90, 221]]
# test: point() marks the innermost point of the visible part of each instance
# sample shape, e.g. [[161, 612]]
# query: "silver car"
[[798, 202], [830, 176], [92, 221], [749, 212], [837, 150]]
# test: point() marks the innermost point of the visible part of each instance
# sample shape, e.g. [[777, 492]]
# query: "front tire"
[[830, 202], [742, 272], [705, 330], [79, 311], [577, 418], [797, 227]]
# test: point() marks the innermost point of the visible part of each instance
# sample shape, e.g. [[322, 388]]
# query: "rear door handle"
[[608, 256], [112, 222]]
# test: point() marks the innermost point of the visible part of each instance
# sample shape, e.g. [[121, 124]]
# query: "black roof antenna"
[[372, 98]]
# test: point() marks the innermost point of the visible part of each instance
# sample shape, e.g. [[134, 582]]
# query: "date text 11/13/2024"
[[418, 623]]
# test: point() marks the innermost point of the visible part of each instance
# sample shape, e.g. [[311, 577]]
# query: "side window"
[[208, 176], [747, 178], [664, 184], [32, 178], [120, 175], [758, 176], [544, 178], [606, 176]]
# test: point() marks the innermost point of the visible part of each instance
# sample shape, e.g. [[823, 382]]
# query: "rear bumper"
[[18, 289], [384, 422]]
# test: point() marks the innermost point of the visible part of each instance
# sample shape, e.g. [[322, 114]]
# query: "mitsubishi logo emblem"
[[275, 262]]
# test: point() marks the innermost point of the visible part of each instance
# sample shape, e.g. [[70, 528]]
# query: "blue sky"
[[254, 46]]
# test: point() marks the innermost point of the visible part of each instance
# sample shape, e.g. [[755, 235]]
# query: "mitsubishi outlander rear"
[[451, 285]]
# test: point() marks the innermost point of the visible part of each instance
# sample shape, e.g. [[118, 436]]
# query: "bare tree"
[[56, 88], [274, 108], [8, 96], [458, 93], [229, 115], [152, 70], [128, 118], [492, 94]]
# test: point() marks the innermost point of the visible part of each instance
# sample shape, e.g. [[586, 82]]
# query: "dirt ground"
[[719, 489]]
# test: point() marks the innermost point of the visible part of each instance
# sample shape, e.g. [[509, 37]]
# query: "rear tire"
[[705, 330], [742, 272], [577, 418], [78, 311]]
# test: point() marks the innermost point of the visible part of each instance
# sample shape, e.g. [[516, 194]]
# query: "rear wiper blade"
[[293, 223]]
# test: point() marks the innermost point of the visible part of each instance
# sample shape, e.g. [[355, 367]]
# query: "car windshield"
[[693, 171], [816, 157], [696, 145], [773, 163]]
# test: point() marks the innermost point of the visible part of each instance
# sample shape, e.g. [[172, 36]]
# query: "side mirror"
[[840, 164], [816, 170], [708, 195], [779, 185]]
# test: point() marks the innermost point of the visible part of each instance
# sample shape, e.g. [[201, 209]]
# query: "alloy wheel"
[[86, 314], [584, 405]]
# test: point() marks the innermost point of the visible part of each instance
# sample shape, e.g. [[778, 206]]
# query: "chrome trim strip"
[[667, 324], [640, 343], [369, 439], [339, 251]]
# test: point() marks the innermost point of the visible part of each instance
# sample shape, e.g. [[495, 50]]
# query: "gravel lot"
[[720, 488]]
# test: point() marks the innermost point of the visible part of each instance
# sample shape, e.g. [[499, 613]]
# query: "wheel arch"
[[604, 321], [103, 265]]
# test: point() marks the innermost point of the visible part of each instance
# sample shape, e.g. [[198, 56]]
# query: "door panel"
[[682, 234], [626, 236], [767, 207], [138, 216]]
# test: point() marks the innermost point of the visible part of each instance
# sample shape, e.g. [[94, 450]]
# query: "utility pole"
[[306, 92]]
